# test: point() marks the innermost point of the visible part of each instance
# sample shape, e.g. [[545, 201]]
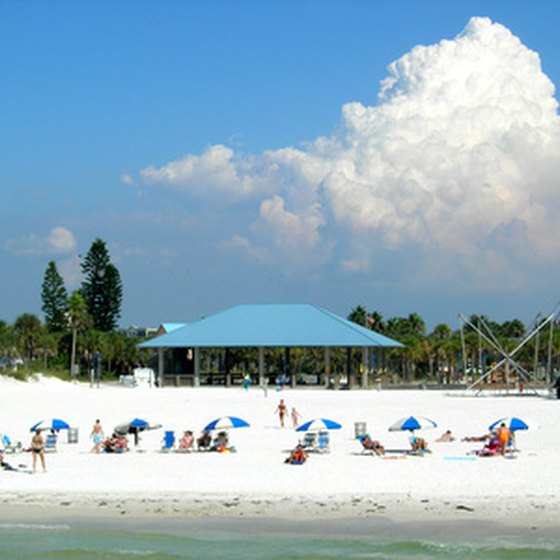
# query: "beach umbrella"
[[134, 426], [412, 423], [226, 422], [54, 424], [319, 424], [511, 422]]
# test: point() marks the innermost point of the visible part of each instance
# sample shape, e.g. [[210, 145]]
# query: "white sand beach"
[[448, 484]]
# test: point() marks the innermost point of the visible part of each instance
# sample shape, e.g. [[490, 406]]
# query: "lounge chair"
[[309, 442], [50, 443], [168, 442], [323, 441], [371, 446]]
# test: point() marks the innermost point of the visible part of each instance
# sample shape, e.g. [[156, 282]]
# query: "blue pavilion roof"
[[254, 325]]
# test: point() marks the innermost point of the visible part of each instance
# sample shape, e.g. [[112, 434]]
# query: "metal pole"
[[261, 366], [196, 366], [160, 373], [327, 366]]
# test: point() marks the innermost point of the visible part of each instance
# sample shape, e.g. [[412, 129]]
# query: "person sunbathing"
[[491, 449], [298, 456], [186, 442], [485, 437], [372, 445], [418, 444], [204, 440], [115, 444], [446, 437], [220, 443]]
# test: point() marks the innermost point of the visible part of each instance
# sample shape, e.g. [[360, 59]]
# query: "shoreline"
[[532, 513], [215, 523]]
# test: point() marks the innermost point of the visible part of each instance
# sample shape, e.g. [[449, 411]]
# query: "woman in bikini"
[[38, 450]]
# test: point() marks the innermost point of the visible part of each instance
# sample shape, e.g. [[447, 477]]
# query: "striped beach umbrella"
[[319, 424], [412, 423], [511, 422], [225, 423], [54, 424]]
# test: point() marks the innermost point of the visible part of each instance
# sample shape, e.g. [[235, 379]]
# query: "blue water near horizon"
[[60, 541]]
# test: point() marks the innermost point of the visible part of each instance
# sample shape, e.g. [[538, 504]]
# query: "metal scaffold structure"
[[514, 377]]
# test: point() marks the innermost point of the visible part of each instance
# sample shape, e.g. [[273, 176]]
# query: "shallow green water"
[[37, 541]]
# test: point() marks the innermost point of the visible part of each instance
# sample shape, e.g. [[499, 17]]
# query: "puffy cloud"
[[58, 241], [61, 240], [459, 155]]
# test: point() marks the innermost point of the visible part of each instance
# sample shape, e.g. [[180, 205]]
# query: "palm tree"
[[359, 315], [28, 331], [376, 322], [78, 319]]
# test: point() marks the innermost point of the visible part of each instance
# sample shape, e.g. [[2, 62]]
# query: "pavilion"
[[261, 326]]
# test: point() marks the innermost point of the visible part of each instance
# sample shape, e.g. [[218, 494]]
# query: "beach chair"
[[168, 440], [50, 443], [9, 445], [309, 442], [371, 446], [323, 441]]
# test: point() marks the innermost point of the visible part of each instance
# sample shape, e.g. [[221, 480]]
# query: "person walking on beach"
[[295, 417], [97, 436], [38, 450], [282, 410]]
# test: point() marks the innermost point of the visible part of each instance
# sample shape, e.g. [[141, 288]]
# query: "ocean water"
[[62, 541]]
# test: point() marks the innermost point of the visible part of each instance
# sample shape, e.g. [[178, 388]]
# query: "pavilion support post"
[[196, 382], [261, 366], [365, 366], [227, 360], [348, 368], [160, 373], [327, 366]]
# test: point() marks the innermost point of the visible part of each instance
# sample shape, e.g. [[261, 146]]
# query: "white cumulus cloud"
[[460, 154], [58, 241]]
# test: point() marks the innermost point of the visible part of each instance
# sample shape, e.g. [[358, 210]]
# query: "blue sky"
[[235, 152]]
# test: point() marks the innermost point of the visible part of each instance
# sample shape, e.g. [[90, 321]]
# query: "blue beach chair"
[[168, 440]]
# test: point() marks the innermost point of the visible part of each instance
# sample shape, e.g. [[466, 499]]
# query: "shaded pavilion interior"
[[199, 353]]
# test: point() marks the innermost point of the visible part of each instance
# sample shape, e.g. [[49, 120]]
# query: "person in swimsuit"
[[38, 450], [295, 417], [282, 410], [97, 436], [504, 435]]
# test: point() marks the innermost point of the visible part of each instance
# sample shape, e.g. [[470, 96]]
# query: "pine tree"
[[54, 297], [102, 287]]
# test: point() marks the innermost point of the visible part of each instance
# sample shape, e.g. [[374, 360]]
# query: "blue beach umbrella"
[[226, 422], [50, 424], [139, 423], [319, 424], [511, 422], [412, 423]]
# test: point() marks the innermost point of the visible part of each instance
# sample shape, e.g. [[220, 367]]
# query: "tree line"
[[447, 355], [83, 325], [77, 326]]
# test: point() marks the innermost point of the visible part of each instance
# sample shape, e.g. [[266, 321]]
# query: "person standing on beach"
[[282, 410], [38, 450], [504, 435], [97, 436]]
